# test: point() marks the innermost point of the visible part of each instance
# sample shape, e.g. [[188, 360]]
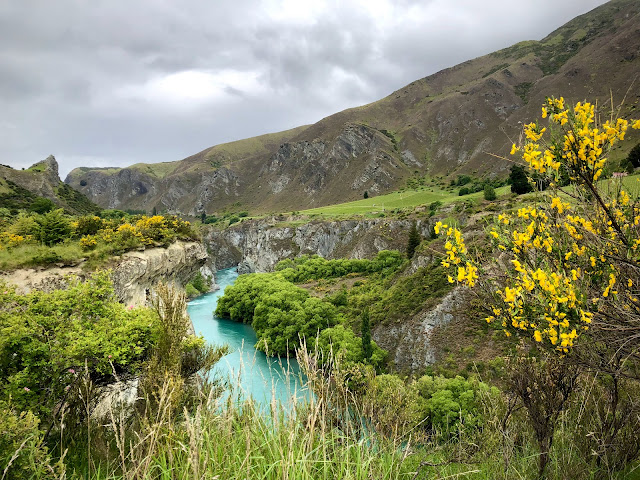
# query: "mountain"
[[449, 123], [20, 188]]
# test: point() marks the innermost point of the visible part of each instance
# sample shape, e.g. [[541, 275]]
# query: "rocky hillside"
[[20, 188], [442, 125]]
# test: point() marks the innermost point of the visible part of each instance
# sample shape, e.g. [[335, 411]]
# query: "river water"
[[250, 372]]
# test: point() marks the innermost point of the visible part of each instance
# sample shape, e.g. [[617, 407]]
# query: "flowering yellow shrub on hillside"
[[570, 261]]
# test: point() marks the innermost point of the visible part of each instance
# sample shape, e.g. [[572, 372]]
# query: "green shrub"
[[280, 312], [22, 453], [451, 404], [45, 338], [489, 193], [200, 283], [191, 291], [54, 227], [306, 268], [42, 205]]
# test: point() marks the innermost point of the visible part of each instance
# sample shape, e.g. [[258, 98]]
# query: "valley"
[[440, 284]]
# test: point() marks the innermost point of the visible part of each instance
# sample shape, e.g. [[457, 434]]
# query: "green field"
[[392, 201], [428, 195]]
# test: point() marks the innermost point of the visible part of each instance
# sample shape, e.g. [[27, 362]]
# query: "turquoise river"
[[256, 375]]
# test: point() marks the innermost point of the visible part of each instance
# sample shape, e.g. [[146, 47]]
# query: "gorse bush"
[[570, 277]]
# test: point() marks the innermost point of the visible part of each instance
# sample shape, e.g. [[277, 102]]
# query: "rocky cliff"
[[134, 273], [258, 245], [443, 125]]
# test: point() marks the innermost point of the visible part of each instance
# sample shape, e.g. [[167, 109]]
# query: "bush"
[[54, 227], [22, 453], [280, 312], [201, 283], [347, 349], [451, 404], [41, 205], [464, 191], [191, 291], [306, 268], [47, 337], [634, 156], [489, 193]]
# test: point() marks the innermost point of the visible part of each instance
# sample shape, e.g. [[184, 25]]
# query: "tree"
[[489, 193], [54, 227], [42, 205], [414, 240], [366, 194], [519, 180], [634, 156], [367, 348]]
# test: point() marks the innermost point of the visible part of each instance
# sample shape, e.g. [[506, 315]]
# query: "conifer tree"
[[414, 240], [367, 348]]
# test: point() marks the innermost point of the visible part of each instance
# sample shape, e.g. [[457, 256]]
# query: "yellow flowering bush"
[[569, 262], [9, 240], [88, 242]]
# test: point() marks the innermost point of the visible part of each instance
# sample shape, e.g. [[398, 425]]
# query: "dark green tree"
[[489, 193], [154, 212], [519, 181], [366, 194], [634, 156], [414, 240], [54, 227], [42, 205], [367, 347]]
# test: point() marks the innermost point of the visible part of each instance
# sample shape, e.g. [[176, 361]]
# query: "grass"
[[33, 255], [391, 201]]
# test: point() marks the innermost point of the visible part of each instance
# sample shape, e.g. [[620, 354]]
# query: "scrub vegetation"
[[30, 238]]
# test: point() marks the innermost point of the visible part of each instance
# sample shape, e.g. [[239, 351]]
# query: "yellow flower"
[[538, 336]]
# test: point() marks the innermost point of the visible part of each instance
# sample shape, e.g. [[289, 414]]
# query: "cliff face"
[[133, 274], [258, 245], [409, 343], [138, 272]]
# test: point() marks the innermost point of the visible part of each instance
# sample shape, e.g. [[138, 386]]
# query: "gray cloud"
[[120, 82]]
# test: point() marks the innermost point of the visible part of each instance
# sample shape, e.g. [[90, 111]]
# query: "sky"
[[115, 82]]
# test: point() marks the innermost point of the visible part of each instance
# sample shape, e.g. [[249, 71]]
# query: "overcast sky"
[[116, 82]]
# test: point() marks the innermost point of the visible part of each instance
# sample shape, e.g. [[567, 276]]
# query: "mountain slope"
[[19, 188], [442, 125]]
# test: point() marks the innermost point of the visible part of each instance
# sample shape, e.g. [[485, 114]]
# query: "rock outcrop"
[[134, 274], [138, 272], [19, 188], [409, 342]]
